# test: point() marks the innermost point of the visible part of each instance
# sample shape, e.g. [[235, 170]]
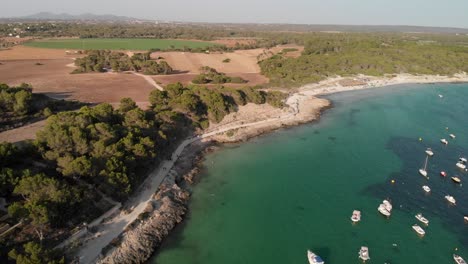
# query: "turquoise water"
[[271, 199]]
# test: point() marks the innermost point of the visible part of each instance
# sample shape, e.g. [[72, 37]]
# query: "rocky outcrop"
[[138, 244]]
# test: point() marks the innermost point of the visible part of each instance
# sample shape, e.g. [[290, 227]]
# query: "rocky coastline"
[[143, 237]]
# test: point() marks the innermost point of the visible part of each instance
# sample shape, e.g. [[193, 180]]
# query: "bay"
[[271, 199]]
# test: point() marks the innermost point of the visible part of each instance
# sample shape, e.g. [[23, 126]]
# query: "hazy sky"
[[452, 13]]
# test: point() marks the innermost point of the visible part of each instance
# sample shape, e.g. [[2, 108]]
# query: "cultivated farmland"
[[118, 44]]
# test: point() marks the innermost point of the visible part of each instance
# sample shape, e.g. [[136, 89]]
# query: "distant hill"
[[83, 17], [344, 28], [92, 18]]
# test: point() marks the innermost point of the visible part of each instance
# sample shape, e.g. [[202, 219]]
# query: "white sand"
[[332, 85]]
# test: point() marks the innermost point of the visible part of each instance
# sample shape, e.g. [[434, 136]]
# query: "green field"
[[118, 44]]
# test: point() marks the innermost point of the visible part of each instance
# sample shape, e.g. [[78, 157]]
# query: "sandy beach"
[[302, 106]]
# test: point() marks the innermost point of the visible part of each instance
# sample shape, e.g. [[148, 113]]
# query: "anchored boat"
[[452, 136], [422, 219], [456, 180], [313, 258], [419, 230], [461, 165], [429, 152], [356, 217], [426, 188], [443, 174], [450, 199], [444, 141], [385, 208], [423, 171], [387, 205], [458, 259], [364, 253]]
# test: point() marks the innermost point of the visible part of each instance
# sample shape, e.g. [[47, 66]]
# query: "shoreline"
[[169, 203]]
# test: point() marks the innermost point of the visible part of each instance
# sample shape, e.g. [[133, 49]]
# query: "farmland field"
[[118, 44]]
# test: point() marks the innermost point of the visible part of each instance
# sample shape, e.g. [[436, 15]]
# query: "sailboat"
[[423, 172]]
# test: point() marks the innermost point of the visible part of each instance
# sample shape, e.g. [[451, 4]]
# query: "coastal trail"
[[91, 249], [300, 105]]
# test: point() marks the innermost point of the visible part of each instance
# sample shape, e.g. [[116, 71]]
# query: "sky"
[[447, 13]]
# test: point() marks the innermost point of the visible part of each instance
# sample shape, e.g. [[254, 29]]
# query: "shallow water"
[[271, 199]]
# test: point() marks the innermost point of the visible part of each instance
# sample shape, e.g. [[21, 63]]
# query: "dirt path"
[[150, 81], [92, 247], [22, 133]]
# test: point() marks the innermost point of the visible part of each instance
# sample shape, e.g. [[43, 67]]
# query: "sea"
[[271, 199]]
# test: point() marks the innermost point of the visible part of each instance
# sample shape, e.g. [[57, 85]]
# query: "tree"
[[80, 166], [127, 104], [35, 254], [158, 100], [43, 197], [8, 181], [8, 153], [165, 68]]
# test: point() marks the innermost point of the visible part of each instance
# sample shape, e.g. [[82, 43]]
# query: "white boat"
[[461, 165], [429, 152], [444, 141], [423, 171], [450, 199], [422, 219], [387, 205], [463, 160], [356, 217], [383, 210], [364, 253], [419, 230], [456, 180], [441, 96], [452, 136], [465, 218], [458, 259], [313, 258], [426, 188]]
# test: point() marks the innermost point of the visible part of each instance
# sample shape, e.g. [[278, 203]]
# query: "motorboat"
[[443, 174], [356, 217], [444, 141], [387, 205], [465, 218], [429, 152], [450, 199], [419, 230], [364, 253], [458, 259], [384, 210], [423, 171], [426, 188], [463, 160], [456, 180], [452, 136], [422, 219], [313, 258], [461, 165]]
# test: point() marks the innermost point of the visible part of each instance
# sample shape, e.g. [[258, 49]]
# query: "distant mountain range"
[[88, 17], [83, 17]]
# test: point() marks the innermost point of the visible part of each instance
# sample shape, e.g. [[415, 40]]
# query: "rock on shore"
[[138, 244]]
